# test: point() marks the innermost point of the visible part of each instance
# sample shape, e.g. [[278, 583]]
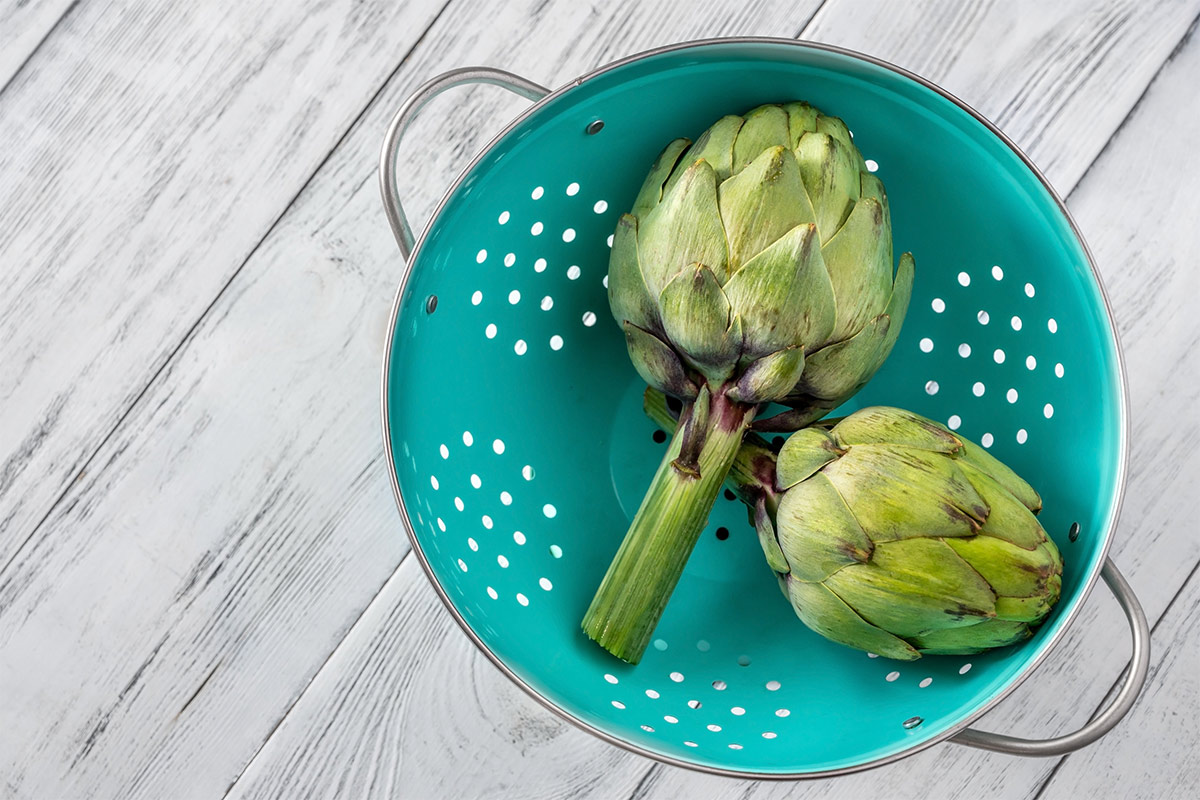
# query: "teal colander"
[[517, 478]]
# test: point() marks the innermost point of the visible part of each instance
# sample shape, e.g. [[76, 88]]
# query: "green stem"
[[674, 511], [752, 475]]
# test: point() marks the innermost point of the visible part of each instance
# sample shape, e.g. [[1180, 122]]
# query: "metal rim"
[[1122, 409]]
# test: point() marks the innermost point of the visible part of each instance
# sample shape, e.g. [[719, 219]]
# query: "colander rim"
[[1122, 413]]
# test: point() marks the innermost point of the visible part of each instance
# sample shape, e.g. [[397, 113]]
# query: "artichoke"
[[755, 267], [759, 259], [893, 535]]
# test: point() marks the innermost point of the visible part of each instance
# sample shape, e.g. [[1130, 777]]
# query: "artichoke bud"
[[899, 534], [766, 235]]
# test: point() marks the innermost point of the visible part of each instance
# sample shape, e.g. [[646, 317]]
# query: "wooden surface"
[[202, 586]]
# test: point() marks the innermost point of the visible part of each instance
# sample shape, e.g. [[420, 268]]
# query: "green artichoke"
[[760, 259], [893, 535], [755, 267]]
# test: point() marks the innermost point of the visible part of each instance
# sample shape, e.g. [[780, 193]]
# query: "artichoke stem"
[[752, 475], [674, 511]]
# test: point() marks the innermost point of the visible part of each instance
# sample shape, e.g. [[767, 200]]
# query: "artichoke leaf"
[[685, 228], [694, 432], [807, 411], [817, 531], [628, 298], [831, 178], [886, 425], [988, 634], [804, 452], [657, 363], [836, 129], [913, 586], [766, 538], [1000, 472], [783, 294], [859, 260], [836, 371], [765, 126], [1032, 609], [715, 146], [761, 203], [870, 186], [1010, 570], [1008, 518], [696, 317], [651, 193], [897, 307], [826, 613], [769, 378], [898, 493], [802, 119]]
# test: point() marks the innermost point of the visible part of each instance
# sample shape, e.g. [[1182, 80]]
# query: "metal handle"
[[408, 112], [1102, 723]]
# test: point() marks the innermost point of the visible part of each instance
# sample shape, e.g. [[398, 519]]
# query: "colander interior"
[[521, 452]]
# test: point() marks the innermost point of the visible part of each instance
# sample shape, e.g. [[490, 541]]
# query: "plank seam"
[[13, 78], [643, 786], [1166, 612], [328, 657], [1183, 41], [808, 23]]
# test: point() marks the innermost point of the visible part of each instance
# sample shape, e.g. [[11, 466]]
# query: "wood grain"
[[333, 725], [1050, 71], [1153, 753], [23, 26], [393, 746], [235, 525], [148, 149]]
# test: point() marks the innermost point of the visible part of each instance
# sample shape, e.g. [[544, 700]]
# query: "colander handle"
[[1102, 723], [408, 112]]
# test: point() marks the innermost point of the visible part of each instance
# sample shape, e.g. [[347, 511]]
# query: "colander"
[[519, 451]]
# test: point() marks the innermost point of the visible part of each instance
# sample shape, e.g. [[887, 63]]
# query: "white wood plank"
[[1153, 753], [1083, 68], [434, 753], [23, 25], [148, 148], [195, 579], [333, 737]]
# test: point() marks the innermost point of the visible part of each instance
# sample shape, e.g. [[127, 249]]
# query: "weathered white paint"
[[23, 26], [1043, 72], [233, 529], [1154, 753], [393, 696], [148, 148]]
